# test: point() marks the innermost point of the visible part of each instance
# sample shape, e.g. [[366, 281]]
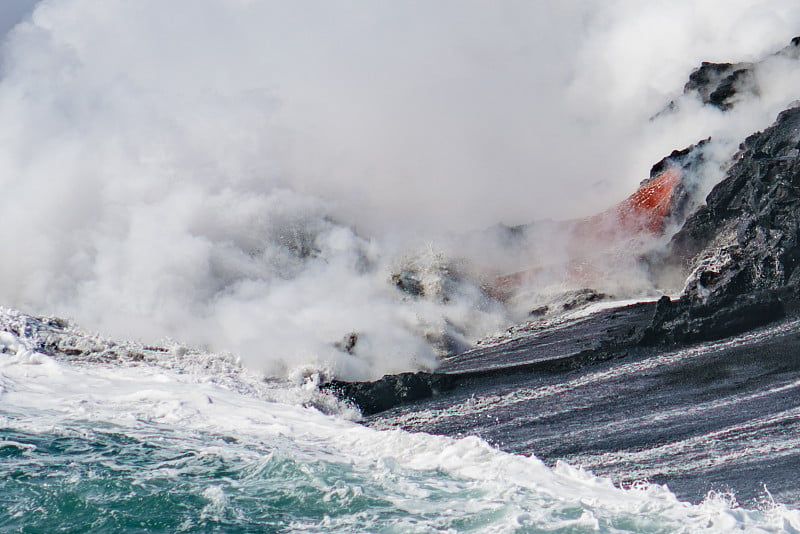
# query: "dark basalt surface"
[[701, 392], [560, 348], [749, 223], [717, 83], [744, 244], [721, 416], [723, 85]]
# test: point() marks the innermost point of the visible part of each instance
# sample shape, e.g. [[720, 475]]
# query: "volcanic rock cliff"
[[742, 244], [723, 85], [739, 253], [739, 249], [746, 234]]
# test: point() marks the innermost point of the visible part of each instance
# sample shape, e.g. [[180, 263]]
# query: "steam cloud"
[[244, 175]]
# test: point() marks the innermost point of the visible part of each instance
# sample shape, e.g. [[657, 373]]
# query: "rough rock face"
[[751, 218], [743, 244], [722, 85], [718, 83]]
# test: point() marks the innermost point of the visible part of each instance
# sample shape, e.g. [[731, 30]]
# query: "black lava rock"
[[743, 244], [722, 84], [391, 390], [747, 235], [717, 83]]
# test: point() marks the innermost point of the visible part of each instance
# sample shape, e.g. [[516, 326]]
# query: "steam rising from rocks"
[[246, 175]]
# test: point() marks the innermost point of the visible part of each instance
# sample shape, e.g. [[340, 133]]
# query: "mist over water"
[[246, 176]]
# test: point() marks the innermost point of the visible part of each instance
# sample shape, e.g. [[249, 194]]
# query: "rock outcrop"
[[743, 244], [717, 84], [745, 236], [723, 85], [739, 251]]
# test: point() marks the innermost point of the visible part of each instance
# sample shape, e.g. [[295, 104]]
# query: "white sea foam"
[[42, 394]]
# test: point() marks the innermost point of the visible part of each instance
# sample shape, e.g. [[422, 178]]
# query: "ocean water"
[[180, 441]]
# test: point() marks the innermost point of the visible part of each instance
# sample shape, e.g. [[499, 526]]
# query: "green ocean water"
[[99, 480], [91, 477], [196, 443]]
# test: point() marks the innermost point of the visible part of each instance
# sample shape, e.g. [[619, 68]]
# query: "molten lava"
[[646, 210], [592, 242]]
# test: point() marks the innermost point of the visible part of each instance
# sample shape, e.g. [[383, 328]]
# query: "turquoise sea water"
[[103, 448], [102, 478], [83, 479], [119, 437], [177, 440]]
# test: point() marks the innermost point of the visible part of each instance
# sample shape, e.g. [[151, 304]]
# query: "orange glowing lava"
[[643, 214], [646, 210]]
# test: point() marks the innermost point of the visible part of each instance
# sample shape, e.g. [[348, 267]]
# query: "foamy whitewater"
[[177, 441], [232, 184]]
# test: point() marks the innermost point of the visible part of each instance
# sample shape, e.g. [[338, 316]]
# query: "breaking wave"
[[204, 445]]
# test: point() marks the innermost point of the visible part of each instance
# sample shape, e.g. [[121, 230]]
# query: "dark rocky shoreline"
[[561, 348], [727, 349]]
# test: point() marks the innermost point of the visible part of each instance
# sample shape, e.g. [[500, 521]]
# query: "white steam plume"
[[243, 174], [13, 11]]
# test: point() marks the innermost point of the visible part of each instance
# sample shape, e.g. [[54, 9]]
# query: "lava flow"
[[594, 242], [645, 211]]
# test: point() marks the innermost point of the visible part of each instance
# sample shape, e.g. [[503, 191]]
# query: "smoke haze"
[[246, 175]]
